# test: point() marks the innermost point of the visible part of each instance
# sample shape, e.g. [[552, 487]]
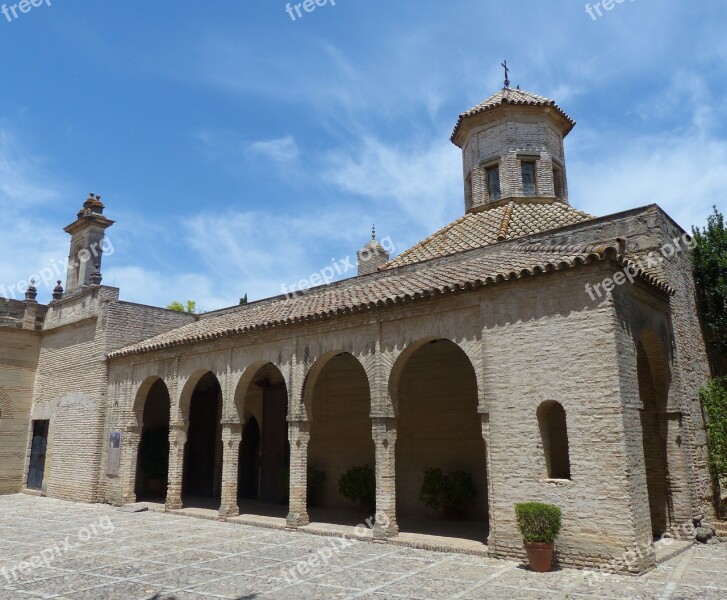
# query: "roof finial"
[[373, 232], [507, 74]]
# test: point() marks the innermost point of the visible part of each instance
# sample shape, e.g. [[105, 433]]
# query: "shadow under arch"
[[435, 395], [261, 402], [658, 431], [403, 359], [337, 400], [152, 407], [201, 407]]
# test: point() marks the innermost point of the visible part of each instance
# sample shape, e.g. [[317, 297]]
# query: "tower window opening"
[[528, 173], [493, 182], [468, 191], [558, 182]]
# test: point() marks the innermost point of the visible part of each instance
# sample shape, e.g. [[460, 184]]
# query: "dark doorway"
[[249, 475], [203, 451], [37, 454], [274, 454], [152, 468]]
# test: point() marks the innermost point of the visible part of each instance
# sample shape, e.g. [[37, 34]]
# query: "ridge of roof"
[[468, 271], [488, 227]]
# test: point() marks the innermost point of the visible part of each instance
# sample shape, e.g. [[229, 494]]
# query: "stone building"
[[550, 354]]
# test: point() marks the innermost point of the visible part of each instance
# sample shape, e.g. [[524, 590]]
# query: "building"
[[549, 354]]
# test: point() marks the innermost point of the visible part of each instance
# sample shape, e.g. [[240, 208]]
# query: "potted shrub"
[[155, 461], [451, 493], [539, 524], [316, 479], [358, 484]]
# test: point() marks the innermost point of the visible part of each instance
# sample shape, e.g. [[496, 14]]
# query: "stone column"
[[299, 436], [130, 439], [177, 441], [231, 439], [384, 434]]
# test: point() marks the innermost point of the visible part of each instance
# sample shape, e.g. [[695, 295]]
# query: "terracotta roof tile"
[[469, 270], [510, 96], [475, 230]]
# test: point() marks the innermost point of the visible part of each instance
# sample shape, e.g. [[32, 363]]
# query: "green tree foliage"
[[710, 273], [190, 307], [714, 400]]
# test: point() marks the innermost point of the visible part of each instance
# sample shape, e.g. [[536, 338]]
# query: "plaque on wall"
[[114, 457]]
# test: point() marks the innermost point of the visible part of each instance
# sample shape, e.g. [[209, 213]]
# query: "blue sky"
[[239, 150]]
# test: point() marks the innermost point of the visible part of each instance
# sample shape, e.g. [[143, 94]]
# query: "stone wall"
[[18, 362], [528, 342], [656, 241], [71, 384]]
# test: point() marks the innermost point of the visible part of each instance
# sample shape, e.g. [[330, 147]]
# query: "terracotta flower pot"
[[540, 556]]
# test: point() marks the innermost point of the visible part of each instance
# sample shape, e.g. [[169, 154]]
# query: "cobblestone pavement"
[[93, 551]]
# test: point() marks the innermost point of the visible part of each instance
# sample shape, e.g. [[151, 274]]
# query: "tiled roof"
[[510, 96], [465, 271], [474, 230]]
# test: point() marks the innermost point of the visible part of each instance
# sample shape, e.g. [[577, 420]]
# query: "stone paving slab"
[[88, 552]]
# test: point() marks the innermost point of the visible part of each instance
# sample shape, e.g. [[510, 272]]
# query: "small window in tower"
[[493, 182], [558, 182], [468, 191], [528, 171]]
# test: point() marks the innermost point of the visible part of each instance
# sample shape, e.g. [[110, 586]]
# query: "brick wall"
[[18, 362]]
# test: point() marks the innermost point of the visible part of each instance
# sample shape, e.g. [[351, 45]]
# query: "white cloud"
[[281, 150], [420, 182]]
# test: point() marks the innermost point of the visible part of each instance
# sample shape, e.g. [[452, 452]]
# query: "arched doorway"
[[153, 456], [264, 451], [439, 428], [249, 463], [202, 479], [654, 379], [341, 443]]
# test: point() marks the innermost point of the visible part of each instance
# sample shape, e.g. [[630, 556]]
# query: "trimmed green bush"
[[453, 491], [538, 522], [358, 484]]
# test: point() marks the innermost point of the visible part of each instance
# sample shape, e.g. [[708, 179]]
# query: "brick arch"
[[141, 395], [314, 372], [653, 362], [238, 414], [185, 394], [402, 359], [6, 405]]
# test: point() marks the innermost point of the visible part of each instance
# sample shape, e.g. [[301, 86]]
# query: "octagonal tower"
[[512, 150]]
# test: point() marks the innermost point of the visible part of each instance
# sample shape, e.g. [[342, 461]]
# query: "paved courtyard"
[[94, 551]]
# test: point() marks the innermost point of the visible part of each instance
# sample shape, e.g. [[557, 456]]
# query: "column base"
[[296, 520], [381, 534], [173, 505], [228, 512]]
